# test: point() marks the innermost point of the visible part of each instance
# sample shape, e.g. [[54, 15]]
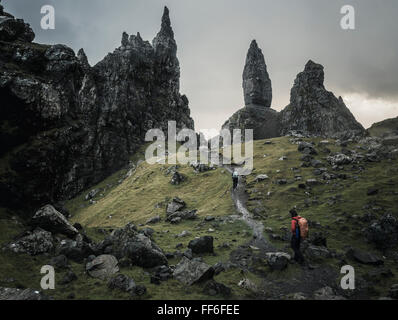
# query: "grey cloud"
[[213, 37]]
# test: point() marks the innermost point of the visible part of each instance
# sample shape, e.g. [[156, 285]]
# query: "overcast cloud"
[[213, 37]]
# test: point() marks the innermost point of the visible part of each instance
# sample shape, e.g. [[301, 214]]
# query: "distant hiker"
[[299, 232], [235, 179]]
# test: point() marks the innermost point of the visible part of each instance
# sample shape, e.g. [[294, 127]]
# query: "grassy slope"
[[384, 127], [145, 192]]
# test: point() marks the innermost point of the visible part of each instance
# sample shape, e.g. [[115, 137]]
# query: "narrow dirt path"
[[239, 197]]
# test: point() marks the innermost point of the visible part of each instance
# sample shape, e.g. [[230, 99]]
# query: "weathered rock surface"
[[314, 110], [257, 87], [33, 242], [141, 250], [202, 245], [278, 260], [257, 91], [102, 267], [20, 294], [192, 271], [66, 125], [51, 220]]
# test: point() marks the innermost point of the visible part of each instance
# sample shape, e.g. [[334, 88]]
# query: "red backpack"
[[301, 228]]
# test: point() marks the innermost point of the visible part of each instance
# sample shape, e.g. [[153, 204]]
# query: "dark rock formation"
[[257, 90], [66, 125], [314, 110]]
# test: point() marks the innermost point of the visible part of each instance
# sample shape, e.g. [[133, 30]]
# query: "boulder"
[[261, 177], [102, 267], [52, 220], [20, 294], [33, 242], [278, 260], [192, 271], [177, 178], [339, 159], [153, 220], [69, 277], [183, 215], [213, 288], [60, 262], [364, 257], [175, 205], [141, 250], [383, 232], [122, 282], [327, 293], [76, 250], [317, 252], [202, 245]]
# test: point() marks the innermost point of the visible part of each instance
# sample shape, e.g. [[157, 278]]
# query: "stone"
[[317, 252], [383, 232], [364, 257], [51, 220], [327, 293], [102, 267], [153, 220], [257, 87], [192, 271], [175, 205], [141, 250], [393, 293], [121, 282], [202, 245], [33, 242], [261, 177], [84, 128], [278, 260], [177, 178], [339, 159], [69, 277], [20, 294], [213, 288], [314, 110], [60, 262]]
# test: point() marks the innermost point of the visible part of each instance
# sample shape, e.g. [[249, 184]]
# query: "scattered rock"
[[51, 220], [68, 278], [192, 271], [20, 294], [33, 243], [202, 245], [213, 288], [153, 220], [278, 260], [177, 178], [102, 267], [327, 293], [364, 257]]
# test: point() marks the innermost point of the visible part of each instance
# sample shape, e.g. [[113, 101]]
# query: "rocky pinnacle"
[[257, 87], [164, 43]]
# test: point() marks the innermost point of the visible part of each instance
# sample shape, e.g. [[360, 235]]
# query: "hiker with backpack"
[[235, 179], [299, 228]]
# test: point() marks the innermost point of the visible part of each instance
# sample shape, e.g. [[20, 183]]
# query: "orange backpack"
[[303, 227]]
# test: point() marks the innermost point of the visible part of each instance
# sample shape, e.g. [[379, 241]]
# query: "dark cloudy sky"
[[213, 37]]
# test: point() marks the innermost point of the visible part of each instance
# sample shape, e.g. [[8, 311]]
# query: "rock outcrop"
[[257, 87], [314, 110], [66, 125], [257, 91]]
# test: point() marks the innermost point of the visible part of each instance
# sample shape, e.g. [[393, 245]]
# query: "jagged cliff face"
[[315, 110], [66, 125]]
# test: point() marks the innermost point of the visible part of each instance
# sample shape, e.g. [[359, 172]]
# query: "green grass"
[[145, 194]]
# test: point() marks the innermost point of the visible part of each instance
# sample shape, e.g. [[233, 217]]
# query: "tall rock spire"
[[257, 87], [164, 43]]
